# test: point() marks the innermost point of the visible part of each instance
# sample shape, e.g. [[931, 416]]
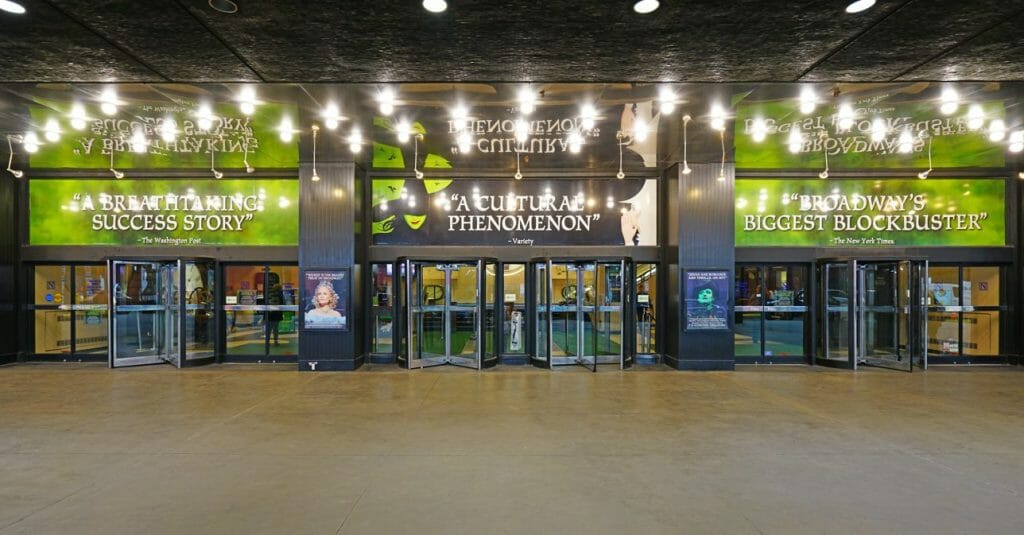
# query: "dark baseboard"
[[514, 360], [705, 365], [331, 365]]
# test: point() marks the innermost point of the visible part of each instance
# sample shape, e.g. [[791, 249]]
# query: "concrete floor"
[[246, 449]]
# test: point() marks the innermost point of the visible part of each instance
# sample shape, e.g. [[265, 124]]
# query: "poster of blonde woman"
[[326, 299]]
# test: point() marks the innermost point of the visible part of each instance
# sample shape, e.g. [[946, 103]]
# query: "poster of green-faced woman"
[[707, 300], [326, 300]]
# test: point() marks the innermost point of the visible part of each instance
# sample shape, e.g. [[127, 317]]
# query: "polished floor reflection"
[[250, 449]]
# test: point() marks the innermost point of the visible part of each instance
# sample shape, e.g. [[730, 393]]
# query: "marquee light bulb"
[[331, 116], [1017, 141], [403, 131], [168, 130], [108, 101], [950, 101], [30, 141], [667, 100], [138, 141], [575, 142], [996, 130], [808, 100], [52, 130], [796, 141], [758, 130], [845, 122], [247, 100], [465, 142], [355, 141], [878, 130], [459, 116], [386, 99], [527, 101], [77, 116], [285, 130], [640, 130], [522, 131], [587, 116], [906, 142], [975, 117], [717, 117], [205, 115]]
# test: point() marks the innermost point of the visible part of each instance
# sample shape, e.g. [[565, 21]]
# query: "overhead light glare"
[[355, 141], [31, 142], [845, 122], [950, 101], [996, 130], [77, 115], [975, 117], [796, 141], [666, 100], [717, 117], [878, 130], [386, 100], [859, 6], [644, 7], [522, 131], [906, 142], [205, 116], [1017, 141], [640, 130], [588, 115], [285, 130], [108, 101], [527, 101], [138, 141], [575, 142], [808, 100], [168, 130], [403, 131], [435, 6], [758, 130], [12, 7], [51, 131], [331, 115]]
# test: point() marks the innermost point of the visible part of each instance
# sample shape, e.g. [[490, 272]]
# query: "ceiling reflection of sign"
[[870, 213]]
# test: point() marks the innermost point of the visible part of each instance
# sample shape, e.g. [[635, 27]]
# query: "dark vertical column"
[[669, 279], [8, 268], [329, 238], [706, 241]]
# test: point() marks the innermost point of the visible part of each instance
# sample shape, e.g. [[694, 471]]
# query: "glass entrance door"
[[874, 313], [162, 312], [445, 314], [581, 313]]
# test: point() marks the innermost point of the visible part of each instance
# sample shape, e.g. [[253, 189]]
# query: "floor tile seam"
[[46, 506], [352, 509]]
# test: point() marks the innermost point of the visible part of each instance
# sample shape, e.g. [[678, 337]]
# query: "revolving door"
[[580, 313], [449, 312], [874, 313]]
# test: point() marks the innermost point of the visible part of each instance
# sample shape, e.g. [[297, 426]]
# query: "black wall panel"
[[8, 268], [706, 241], [328, 239]]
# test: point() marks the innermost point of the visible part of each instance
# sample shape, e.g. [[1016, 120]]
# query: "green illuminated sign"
[[163, 213], [870, 213], [231, 140], [851, 146]]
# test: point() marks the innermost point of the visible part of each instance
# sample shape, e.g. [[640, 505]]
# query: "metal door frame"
[[624, 359], [916, 310], [405, 264], [174, 313]]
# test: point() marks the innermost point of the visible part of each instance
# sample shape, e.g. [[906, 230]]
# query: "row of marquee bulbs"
[[527, 99]]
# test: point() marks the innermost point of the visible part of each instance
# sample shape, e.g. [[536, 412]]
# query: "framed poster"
[[706, 301], [325, 299]]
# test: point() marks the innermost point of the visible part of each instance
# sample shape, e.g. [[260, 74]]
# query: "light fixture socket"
[[518, 176], [686, 168], [117, 174], [419, 174], [249, 169], [1020, 175], [924, 174], [823, 175], [315, 177], [217, 174], [620, 175]]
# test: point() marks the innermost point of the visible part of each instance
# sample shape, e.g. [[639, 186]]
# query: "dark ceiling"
[[511, 40]]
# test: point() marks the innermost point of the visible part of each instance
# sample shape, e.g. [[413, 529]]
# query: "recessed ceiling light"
[[224, 6], [860, 5], [644, 7], [12, 7], [435, 6]]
